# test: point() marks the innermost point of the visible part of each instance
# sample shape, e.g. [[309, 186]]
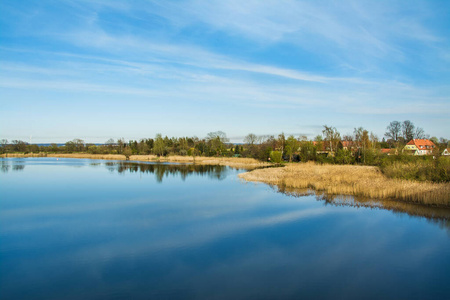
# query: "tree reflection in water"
[[164, 170], [6, 165]]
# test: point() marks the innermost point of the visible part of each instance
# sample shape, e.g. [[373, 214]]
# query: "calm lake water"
[[92, 229]]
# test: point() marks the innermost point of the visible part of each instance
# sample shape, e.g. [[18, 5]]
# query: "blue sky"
[[108, 69]]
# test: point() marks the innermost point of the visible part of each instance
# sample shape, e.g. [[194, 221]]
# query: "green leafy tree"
[[216, 142], [93, 149], [291, 147], [434, 140], [70, 146], [332, 137], [142, 148], [53, 147], [120, 145], [79, 145], [281, 143], [343, 157], [237, 150], [307, 151], [159, 145], [264, 155], [276, 156]]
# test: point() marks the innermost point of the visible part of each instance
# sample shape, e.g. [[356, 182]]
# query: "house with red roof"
[[419, 147], [388, 151], [349, 145]]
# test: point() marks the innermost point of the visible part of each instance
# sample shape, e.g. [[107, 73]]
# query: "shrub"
[[276, 156], [93, 149], [344, 157], [417, 168]]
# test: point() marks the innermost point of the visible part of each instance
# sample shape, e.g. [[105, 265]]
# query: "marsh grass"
[[421, 169], [40, 154], [361, 181], [90, 156]]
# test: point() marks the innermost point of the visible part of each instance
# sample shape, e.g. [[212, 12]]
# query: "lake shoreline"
[[360, 181], [236, 162]]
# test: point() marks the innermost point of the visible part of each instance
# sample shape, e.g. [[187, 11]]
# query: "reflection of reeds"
[[225, 161], [352, 180], [228, 161], [435, 215]]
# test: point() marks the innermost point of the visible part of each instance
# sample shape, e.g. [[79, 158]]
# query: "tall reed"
[[353, 180]]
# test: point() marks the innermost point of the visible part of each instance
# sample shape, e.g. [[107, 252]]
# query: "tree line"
[[361, 146]]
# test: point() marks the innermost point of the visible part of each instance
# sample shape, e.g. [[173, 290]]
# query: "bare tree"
[[281, 142], [121, 144], [347, 137], [3, 142], [408, 130], [393, 130], [302, 138], [419, 133], [373, 139], [110, 142], [222, 136], [251, 139]]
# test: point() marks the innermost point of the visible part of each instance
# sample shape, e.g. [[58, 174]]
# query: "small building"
[[349, 145], [388, 151], [322, 147], [446, 152], [419, 147]]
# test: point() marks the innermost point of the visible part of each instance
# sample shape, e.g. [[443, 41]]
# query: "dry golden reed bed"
[[361, 181], [40, 154], [224, 161]]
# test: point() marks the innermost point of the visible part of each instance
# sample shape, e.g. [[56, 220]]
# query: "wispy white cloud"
[[374, 59], [358, 28]]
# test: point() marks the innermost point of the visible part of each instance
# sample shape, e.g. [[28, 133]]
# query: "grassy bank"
[[40, 154], [418, 168], [361, 181], [224, 161]]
